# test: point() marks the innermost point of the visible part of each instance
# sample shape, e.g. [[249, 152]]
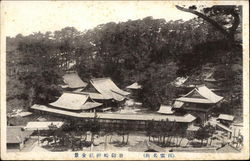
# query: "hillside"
[[150, 51]]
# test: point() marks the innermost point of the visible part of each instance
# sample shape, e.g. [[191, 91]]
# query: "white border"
[[129, 155]]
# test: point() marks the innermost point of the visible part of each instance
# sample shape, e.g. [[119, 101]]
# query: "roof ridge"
[[209, 91], [197, 89], [101, 78]]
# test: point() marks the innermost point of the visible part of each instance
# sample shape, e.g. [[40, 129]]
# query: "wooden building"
[[138, 120], [16, 137], [225, 119], [105, 91], [77, 102], [199, 102], [167, 110]]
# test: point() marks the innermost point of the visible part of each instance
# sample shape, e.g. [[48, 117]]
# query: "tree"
[[155, 131], [172, 132], [226, 19], [182, 134], [67, 40], [123, 130], [38, 66], [166, 128], [224, 52], [210, 131], [149, 128], [204, 133], [150, 51], [94, 127], [190, 137], [53, 132]]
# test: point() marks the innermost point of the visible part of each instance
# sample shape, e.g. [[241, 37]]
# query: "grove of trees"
[[150, 51]]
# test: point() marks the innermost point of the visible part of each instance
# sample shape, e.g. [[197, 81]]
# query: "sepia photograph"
[[124, 80]]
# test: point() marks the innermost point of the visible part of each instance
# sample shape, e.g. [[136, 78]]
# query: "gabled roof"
[[78, 90], [189, 117], [145, 145], [201, 94], [71, 101], [108, 89], [179, 81], [178, 104], [134, 86], [193, 128], [90, 105], [73, 80], [15, 134], [226, 117], [74, 101], [96, 96], [164, 109]]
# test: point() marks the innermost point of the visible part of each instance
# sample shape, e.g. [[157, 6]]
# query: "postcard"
[[124, 80]]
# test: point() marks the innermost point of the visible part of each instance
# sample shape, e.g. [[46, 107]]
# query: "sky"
[[29, 17]]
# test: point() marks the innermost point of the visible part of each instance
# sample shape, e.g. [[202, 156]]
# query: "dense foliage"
[[150, 51]]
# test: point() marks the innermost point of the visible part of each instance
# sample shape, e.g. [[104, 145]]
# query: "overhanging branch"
[[235, 23], [209, 20]]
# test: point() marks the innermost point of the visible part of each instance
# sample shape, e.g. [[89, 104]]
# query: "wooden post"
[[38, 135], [234, 135], [105, 145]]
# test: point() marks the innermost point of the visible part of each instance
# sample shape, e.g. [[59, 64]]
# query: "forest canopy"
[[150, 51]]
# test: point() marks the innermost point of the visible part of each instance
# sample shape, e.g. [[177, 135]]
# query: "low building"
[[16, 137], [225, 119], [135, 92], [138, 120], [42, 128], [45, 125], [167, 110]]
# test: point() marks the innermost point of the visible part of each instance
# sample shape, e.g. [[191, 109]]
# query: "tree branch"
[[235, 23], [209, 20]]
